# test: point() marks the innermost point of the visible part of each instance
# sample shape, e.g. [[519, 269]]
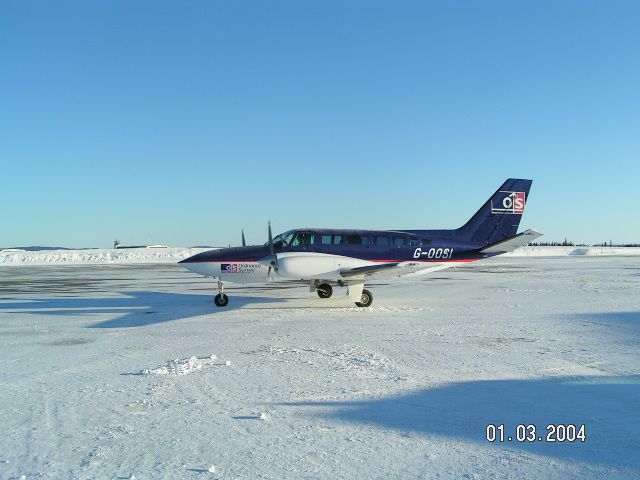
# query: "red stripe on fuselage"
[[223, 261], [433, 260]]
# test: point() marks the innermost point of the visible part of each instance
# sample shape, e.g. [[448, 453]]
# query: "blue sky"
[[183, 122]]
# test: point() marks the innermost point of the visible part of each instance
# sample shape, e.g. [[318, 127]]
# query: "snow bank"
[[573, 251], [173, 255], [98, 256]]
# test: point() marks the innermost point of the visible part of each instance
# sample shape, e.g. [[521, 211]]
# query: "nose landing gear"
[[221, 299]]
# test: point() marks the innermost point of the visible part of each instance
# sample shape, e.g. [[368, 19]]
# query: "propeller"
[[271, 251], [272, 258], [244, 244]]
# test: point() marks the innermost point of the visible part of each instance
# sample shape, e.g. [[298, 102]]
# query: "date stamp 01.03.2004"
[[529, 432]]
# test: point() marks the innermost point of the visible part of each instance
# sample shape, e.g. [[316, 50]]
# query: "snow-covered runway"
[[110, 371]]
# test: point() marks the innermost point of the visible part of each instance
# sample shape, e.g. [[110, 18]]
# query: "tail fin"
[[500, 216]]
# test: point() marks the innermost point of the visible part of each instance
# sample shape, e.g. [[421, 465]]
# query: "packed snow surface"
[[130, 371], [173, 255]]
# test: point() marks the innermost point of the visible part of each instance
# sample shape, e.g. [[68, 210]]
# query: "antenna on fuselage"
[[244, 244]]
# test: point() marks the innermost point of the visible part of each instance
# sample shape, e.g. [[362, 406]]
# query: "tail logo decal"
[[511, 202]]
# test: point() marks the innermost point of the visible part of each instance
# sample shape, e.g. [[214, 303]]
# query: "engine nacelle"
[[308, 265]]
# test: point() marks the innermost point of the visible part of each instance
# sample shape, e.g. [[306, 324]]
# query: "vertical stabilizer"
[[500, 216]]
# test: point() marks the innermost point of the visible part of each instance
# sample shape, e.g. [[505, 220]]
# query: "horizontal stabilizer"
[[510, 244]]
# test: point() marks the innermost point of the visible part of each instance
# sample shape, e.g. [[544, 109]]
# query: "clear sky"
[[183, 122]]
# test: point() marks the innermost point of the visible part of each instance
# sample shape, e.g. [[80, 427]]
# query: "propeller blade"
[[244, 244], [273, 257]]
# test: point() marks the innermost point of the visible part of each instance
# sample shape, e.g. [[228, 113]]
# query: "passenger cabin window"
[[425, 241], [356, 240], [381, 241], [337, 239], [414, 242], [326, 239], [398, 241]]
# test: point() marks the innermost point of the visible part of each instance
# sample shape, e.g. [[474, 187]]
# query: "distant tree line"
[[568, 243]]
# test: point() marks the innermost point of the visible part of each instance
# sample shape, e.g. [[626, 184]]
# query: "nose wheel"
[[221, 299]]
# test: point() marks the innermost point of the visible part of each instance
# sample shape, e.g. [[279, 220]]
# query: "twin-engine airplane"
[[347, 258]]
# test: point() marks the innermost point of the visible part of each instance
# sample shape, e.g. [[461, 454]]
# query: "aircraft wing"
[[368, 270], [394, 269], [510, 244]]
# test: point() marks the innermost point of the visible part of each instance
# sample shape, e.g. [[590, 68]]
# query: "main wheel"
[[221, 300], [325, 290], [366, 299]]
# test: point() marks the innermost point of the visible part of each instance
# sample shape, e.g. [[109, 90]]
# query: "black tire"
[[325, 290], [366, 299], [221, 300]]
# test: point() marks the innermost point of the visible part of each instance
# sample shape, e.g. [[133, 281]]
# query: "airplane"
[[349, 258]]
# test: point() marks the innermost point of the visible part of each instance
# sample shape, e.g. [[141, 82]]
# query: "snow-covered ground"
[[114, 371], [173, 255]]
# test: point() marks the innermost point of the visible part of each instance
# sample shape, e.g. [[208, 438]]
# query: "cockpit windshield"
[[294, 238], [282, 240]]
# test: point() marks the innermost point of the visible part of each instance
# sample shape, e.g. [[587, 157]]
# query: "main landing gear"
[[325, 290], [366, 299], [355, 291], [221, 299]]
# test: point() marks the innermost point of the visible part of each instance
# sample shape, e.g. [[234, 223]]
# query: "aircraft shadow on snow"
[[607, 405], [612, 319], [135, 308]]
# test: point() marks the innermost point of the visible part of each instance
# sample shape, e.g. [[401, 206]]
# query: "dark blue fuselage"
[[333, 254], [371, 245]]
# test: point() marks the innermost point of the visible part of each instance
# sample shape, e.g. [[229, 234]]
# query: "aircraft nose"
[[199, 258], [198, 264], [186, 261]]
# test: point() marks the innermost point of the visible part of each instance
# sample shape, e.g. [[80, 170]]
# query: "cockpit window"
[[303, 239], [282, 240]]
